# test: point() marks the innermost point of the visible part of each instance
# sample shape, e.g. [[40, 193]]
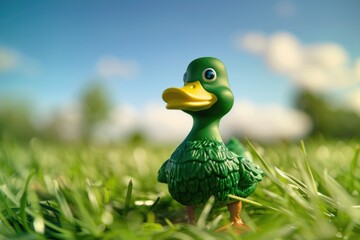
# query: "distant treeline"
[[329, 120]]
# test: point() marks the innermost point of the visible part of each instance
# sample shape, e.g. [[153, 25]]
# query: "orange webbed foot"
[[236, 223]]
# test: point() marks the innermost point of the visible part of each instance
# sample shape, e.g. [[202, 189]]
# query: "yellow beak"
[[191, 97]]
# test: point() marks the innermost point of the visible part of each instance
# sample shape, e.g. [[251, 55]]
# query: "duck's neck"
[[204, 128]]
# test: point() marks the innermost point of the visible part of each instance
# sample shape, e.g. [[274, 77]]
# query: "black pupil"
[[209, 74]]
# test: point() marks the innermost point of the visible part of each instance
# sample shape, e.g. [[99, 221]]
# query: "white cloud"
[[254, 42], [283, 53], [161, 124], [357, 69], [157, 123], [113, 67], [10, 59], [122, 121], [353, 101], [266, 122], [317, 67], [328, 55]]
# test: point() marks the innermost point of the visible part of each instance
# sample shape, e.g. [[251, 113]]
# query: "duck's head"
[[206, 91]]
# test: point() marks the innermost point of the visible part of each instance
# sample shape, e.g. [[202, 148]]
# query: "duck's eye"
[[209, 74], [185, 77]]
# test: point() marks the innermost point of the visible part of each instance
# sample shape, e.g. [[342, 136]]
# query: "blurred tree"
[[136, 138], [95, 106], [328, 120], [15, 120]]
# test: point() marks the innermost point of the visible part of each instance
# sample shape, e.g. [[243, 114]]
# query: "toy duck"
[[202, 165]]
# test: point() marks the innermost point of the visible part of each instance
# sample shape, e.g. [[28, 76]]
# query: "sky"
[[51, 50]]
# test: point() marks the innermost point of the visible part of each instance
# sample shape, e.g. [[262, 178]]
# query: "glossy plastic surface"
[[203, 166]]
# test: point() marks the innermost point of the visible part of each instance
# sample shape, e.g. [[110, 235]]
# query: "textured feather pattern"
[[251, 174], [198, 169]]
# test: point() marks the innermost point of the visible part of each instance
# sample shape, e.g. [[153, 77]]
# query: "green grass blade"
[[262, 160], [5, 211], [169, 223], [355, 159], [154, 204], [312, 179], [345, 202], [292, 179], [214, 224], [9, 194], [245, 200], [201, 223], [23, 203], [252, 202], [128, 197], [267, 170], [63, 204]]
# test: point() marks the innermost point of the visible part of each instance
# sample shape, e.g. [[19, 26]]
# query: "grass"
[[311, 191]]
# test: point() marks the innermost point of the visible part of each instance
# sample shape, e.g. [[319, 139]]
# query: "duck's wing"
[[250, 173], [162, 173], [236, 147], [250, 176]]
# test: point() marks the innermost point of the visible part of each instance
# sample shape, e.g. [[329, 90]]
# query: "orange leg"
[[236, 223], [235, 209], [190, 214]]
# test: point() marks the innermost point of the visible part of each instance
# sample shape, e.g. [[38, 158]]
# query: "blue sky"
[[56, 47]]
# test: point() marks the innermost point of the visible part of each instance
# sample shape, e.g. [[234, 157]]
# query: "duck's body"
[[202, 166]]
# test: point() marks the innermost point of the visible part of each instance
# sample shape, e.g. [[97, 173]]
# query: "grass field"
[[48, 191]]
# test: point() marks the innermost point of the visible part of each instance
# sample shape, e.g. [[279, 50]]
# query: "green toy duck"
[[203, 166]]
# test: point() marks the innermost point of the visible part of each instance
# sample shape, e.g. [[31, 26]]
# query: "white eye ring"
[[209, 75]]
